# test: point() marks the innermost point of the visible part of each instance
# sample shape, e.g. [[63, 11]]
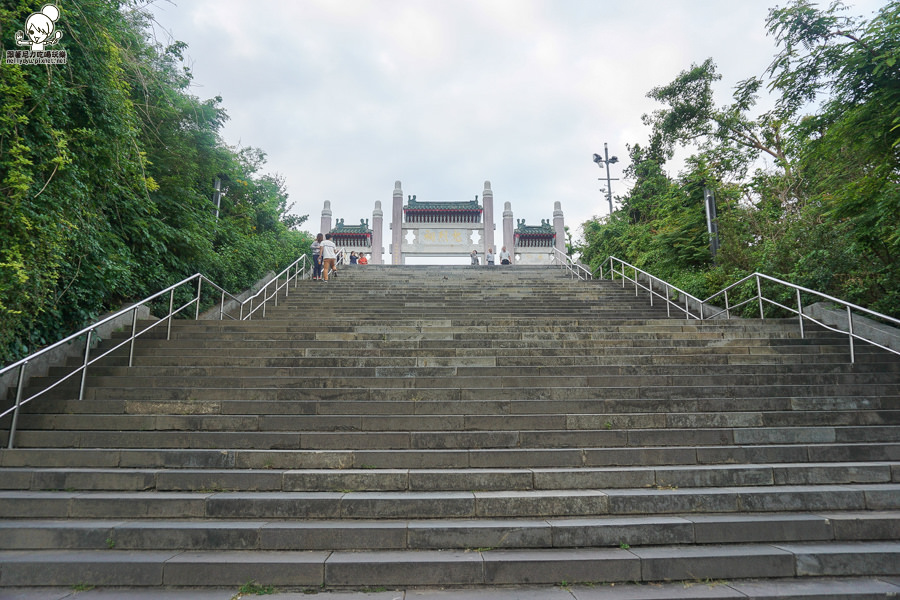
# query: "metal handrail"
[[301, 269], [575, 268], [653, 293], [762, 300]]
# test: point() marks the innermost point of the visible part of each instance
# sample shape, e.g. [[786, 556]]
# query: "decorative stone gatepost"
[[377, 234], [397, 225], [326, 218], [509, 239], [487, 200], [559, 227]]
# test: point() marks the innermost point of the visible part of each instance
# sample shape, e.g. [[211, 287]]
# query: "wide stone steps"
[[459, 427]]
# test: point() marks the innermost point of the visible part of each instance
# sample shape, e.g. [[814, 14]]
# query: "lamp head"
[[598, 159], [613, 160]]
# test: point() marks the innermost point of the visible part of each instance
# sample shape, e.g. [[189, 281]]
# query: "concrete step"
[[741, 374], [455, 534], [451, 422], [462, 439], [318, 569], [464, 479], [252, 458], [502, 504]]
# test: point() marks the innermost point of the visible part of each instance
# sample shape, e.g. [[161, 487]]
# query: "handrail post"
[[800, 314], [701, 310], [668, 301], [762, 315], [266, 298], [850, 329], [171, 306], [635, 282], [199, 289], [622, 265], [133, 335], [84, 366], [222, 307], [15, 417], [727, 310]]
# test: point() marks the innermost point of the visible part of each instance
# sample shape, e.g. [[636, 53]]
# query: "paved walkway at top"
[[885, 587]]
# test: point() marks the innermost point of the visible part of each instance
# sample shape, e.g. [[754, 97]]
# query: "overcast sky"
[[348, 96]]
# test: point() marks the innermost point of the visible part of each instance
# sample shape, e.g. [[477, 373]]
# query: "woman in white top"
[[329, 254]]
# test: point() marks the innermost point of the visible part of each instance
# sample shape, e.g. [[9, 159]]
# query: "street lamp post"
[[607, 159]]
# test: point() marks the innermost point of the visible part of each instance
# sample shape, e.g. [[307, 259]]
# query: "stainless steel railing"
[[654, 282], [299, 269], [575, 269], [704, 309]]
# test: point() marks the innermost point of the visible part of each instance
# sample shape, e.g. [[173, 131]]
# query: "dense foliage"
[[107, 168], [823, 209]]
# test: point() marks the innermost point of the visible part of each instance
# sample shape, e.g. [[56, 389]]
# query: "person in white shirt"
[[504, 256], [329, 254]]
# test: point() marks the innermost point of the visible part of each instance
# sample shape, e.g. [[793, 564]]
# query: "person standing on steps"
[[504, 256], [317, 257], [362, 260], [475, 257], [329, 254], [489, 257]]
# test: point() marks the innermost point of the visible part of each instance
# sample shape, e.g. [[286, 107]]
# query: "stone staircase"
[[459, 426]]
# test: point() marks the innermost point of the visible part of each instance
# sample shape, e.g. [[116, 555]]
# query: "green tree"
[[107, 166]]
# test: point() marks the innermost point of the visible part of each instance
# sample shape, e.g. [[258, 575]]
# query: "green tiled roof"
[[363, 227], [416, 205]]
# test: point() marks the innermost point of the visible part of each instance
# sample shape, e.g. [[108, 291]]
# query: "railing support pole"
[[133, 332], [850, 328], [762, 315], [15, 418], [266, 298], [650, 284], [727, 310], [199, 289], [800, 314], [222, 307], [84, 366], [287, 282], [635, 282], [668, 302], [171, 306]]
